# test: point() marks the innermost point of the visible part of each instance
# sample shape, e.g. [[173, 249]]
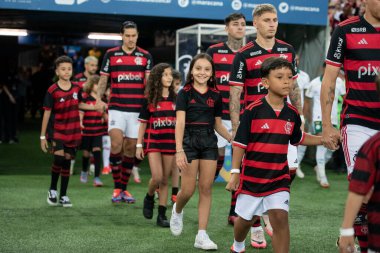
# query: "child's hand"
[[181, 160], [44, 146], [140, 153], [233, 184]]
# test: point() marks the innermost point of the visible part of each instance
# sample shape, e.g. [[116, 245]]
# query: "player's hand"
[[181, 160], [44, 146], [346, 244], [330, 137], [233, 184], [140, 153]]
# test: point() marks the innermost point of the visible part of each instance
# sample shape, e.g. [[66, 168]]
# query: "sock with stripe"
[[56, 171], [65, 176], [219, 165], [115, 163], [126, 170], [233, 203], [257, 223]]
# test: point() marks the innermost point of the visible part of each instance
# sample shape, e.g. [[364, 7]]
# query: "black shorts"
[[200, 143], [90, 142], [59, 145]]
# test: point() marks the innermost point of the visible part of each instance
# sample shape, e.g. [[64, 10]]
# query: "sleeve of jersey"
[[294, 63], [181, 102], [297, 135], [363, 176], [105, 68], [218, 106], [144, 112], [238, 70], [83, 100], [244, 130], [48, 102], [149, 63], [335, 54]]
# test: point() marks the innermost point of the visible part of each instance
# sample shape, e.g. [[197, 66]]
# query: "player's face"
[[167, 78], [91, 67], [201, 71], [236, 29], [266, 25], [177, 84], [64, 71], [373, 8], [130, 37], [279, 81]]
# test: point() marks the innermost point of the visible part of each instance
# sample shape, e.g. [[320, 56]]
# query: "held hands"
[[181, 160], [233, 184], [331, 138], [346, 244], [100, 106]]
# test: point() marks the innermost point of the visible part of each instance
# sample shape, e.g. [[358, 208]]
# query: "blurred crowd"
[[340, 10]]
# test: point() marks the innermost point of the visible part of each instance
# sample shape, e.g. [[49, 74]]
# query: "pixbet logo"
[[369, 70], [224, 78], [163, 123], [240, 71], [129, 77], [338, 50]]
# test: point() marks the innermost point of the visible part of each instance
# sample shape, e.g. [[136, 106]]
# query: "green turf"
[[93, 224]]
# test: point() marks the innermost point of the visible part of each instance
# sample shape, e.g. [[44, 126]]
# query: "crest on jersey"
[[288, 127], [138, 61], [210, 102], [75, 95]]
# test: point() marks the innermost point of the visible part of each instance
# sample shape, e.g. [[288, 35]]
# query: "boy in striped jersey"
[[266, 128]]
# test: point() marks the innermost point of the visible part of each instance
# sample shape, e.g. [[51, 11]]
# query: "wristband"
[[180, 151], [139, 145], [302, 118], [346, 232], [235, 171], [43, 137]]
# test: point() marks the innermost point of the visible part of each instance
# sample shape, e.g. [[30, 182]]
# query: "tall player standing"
[[355, 45], [245, 77], [223, 55], [128, 66]]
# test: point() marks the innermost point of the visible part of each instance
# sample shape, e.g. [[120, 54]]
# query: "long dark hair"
[[154, 86], [189, 78]]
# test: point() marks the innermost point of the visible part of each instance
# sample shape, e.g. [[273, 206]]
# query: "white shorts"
[[127, 122], [248, 206], [292, 156], [221, 141], [354, 137]]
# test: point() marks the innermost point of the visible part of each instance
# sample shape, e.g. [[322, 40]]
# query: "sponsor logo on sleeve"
[[338, 50]]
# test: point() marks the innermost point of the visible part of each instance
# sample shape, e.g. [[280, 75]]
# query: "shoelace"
[[65, 199], [53, 194], [259, 236]]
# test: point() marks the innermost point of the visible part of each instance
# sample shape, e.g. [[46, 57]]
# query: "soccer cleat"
[[299, 172], [317, 173], [148, 208], [258, 239], [268, 227], [136, 175], [65, 201], [91, 171], [127, 197], [174, 198], [106, 170], [204, 242], [52, 197], [98, 182], [324, 183], [83, 177], [176, 222], [116, 196], [162, 221], [234, 251], [232, 219]]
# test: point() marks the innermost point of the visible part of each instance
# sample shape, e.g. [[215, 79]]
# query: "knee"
[[116, 146], [187, 192], [156, 179], [204, 189]]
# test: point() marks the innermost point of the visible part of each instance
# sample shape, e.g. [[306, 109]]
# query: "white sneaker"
[[176, 222], [204, 242], [299, 172], [136, 175], [317, 173], [258, 239], [91, 171], [324, 183]]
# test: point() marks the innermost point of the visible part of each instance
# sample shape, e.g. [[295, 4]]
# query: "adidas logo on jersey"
[[62, 100], [224, 59], [119, 60], [193, 101], [265, 126], [258, 63], [363, 42]]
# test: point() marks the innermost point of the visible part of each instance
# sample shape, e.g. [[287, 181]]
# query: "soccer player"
[[355, 45], [90, 68], [61, 127], [223, 55], [245, 77], [198, 112], [266, 128], [313, 102], [128, 66], [157, 131], [364, 185]]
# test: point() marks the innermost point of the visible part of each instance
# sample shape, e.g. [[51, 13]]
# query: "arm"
[[295, 97], [235, 93], [330, 135], [179, 132], [311, 140], [219, 127], [140, 139], [307, 109], [81, 115], [10, 96], [99, 106], [45, 121], [102, 86], [237, 157]]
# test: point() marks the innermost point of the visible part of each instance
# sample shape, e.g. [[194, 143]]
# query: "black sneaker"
[[52, 197], [65, 201], [148, 208], [163, 221]]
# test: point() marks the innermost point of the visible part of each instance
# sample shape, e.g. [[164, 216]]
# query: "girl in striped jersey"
[[157, 129], [92, 131]]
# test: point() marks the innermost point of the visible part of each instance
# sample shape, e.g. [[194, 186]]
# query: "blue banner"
[[308, 12]]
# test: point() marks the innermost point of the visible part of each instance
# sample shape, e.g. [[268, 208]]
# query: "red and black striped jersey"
[[366, 175], [265, 138], [64, 122], [223, 58], [355, 44], [93, 123], [245, 70], [80, 79], [127, 74], [201, 109], [160, 131]]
